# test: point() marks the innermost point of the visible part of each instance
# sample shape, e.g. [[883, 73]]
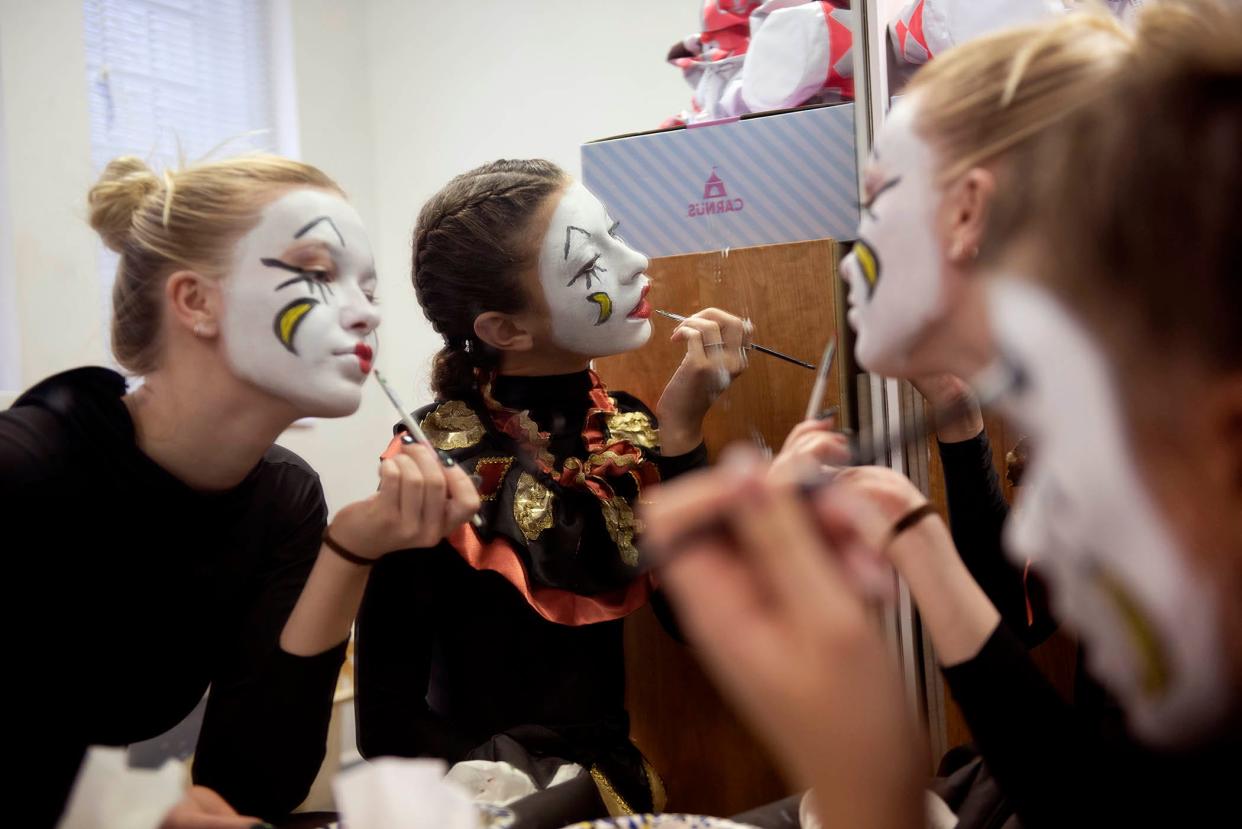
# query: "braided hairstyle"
[[472, 242]]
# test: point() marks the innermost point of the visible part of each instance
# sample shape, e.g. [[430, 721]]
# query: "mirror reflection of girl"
[[509, 639], [167, 543], [1124, 361], [918, 304]]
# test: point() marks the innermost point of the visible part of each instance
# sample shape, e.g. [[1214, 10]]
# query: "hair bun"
[[117, 196]]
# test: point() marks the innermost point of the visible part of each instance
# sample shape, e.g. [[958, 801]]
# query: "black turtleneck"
[[449, 656], [137, 592]]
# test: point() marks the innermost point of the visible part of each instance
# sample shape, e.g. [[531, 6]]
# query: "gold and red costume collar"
[[615, 443]]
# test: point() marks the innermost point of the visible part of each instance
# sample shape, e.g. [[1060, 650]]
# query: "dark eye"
[[591, 270], [612, 231], [879, 191]]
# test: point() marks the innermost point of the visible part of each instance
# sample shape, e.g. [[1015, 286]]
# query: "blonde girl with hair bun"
[[918, 302], [168, 544]]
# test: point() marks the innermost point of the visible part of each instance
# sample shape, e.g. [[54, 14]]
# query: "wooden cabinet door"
[[709, 762]]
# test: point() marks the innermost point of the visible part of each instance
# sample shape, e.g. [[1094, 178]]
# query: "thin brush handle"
[[419, 435], [754, 346], [815, 405]]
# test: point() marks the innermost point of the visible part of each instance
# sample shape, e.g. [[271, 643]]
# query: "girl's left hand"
[[716, 344]]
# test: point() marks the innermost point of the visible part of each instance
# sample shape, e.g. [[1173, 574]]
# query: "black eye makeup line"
[[306, 228], [591, 270], [888, 185], [314, 278]]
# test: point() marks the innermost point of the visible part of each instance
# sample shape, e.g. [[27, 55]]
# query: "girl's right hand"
[[418, 503], [810, 446], [954, 407]]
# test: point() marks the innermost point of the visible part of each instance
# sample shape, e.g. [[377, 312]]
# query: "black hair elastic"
[[352, 558], [908, 520]]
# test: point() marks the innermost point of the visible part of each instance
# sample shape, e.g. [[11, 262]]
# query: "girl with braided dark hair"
[[505, 643]]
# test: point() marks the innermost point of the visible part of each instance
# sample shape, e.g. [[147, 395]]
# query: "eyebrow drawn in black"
[[306, 228], [570, 229], [888, 185]]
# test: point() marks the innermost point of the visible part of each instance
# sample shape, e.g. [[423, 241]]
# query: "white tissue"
[[396, 793], [497, 783], [108, 794], [489, 781]]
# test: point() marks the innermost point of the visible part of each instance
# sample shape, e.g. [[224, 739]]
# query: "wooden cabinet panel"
[[710, 763]]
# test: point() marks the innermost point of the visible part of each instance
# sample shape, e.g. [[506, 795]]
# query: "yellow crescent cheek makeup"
[[605, 306], [1087, 522], [594, 283], [893, 271], [299, 306], [289, 318]]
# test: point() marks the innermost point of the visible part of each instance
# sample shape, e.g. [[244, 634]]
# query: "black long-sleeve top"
[[131, 593], [977, 513], [448, 656], [1060, 764], [1061, 769]]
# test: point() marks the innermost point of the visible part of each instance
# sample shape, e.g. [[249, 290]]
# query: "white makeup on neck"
[[893, 272], [298, 303], [1087, 522], [594, 283]]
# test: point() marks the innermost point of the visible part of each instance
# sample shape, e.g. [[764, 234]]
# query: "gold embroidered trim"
[[619, 519], [453, 425], [532, 506], [504, 463], [614, 458], [613, 801], [634, 427]]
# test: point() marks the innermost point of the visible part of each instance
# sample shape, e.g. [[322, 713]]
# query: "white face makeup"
[[893, 272], [1089, 525], [595, 284], [298, 304]]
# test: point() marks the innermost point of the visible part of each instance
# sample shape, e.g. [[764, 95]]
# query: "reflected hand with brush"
[[716, 353]]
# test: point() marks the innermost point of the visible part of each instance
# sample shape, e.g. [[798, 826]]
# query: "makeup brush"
[[753, 346], [419, 435], [820, 389]]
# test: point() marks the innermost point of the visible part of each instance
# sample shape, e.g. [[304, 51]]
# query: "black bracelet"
[[352, 558], [911, 518]]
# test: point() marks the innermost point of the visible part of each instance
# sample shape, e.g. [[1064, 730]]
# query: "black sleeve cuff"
[[671, 467]]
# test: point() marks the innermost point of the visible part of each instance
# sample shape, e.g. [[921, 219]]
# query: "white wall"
[[393, 98], [397, 97], [10, 341], [46, 145]]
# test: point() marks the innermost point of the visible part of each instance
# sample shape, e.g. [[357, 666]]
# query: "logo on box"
[[715, 199]]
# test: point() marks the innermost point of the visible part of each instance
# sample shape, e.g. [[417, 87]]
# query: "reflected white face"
[[1088, 523], [299, 304], [594, 283], [893, 273]]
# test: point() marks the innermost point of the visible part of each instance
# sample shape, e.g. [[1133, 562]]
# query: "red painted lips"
[[643, 309], [364, 354]]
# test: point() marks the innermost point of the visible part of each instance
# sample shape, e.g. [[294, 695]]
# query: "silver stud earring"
[[200, 329]]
